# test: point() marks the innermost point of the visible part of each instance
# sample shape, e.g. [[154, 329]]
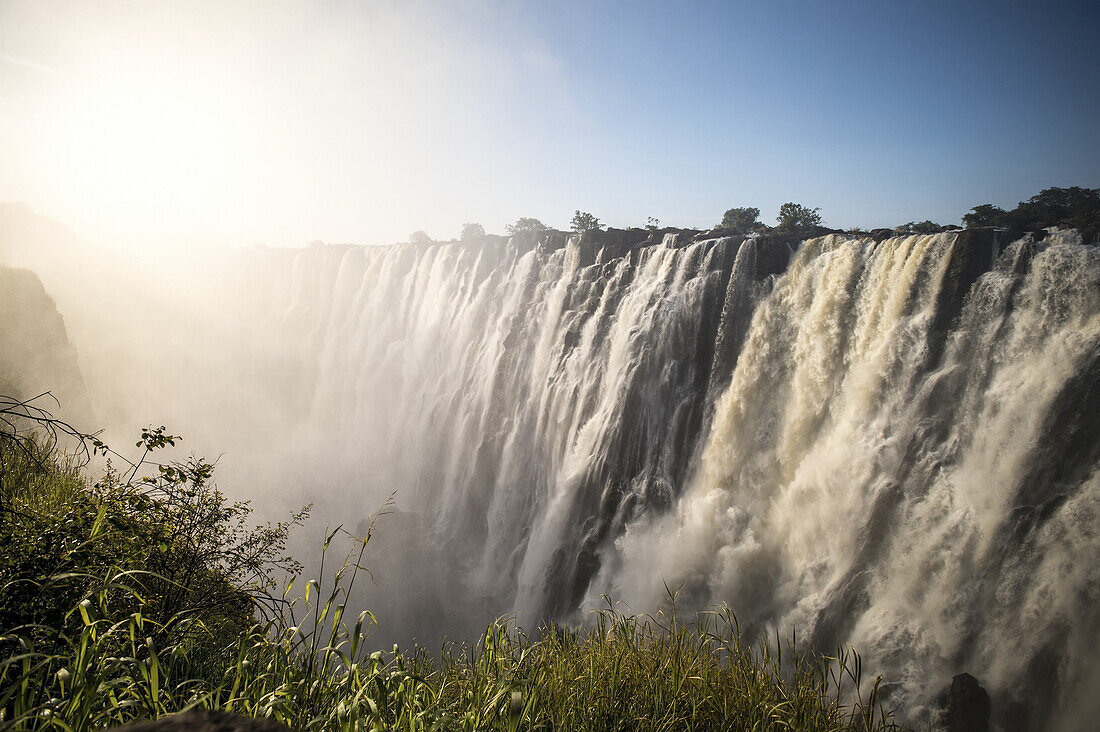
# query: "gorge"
[[888, 442]]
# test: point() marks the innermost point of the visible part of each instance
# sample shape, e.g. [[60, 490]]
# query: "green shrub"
[[136, 597]]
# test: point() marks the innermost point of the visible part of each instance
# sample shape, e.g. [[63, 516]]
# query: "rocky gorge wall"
[[35, 353], [885, 441]]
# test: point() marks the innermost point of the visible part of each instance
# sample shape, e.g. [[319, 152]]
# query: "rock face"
[[204, 720], [35, 353], [967, 706]]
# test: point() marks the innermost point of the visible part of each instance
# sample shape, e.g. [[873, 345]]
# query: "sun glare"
[[145, 149]]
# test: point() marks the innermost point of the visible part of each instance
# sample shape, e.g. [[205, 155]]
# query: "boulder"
[[967, 705]]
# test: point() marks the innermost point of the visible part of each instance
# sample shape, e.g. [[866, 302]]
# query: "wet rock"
[[967, 705], [773, 253]]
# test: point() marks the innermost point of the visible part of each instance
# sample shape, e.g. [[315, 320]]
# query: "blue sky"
[[878, 112], [286, 122]]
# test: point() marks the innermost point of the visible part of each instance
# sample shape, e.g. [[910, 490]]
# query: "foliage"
[[797, 216], [630, 672], [142, 598], [419, 237], [985, 214], [472, 232], [741, 219], [187, 553], [310, 667], [922, 227], [1074, 207], [583, 222], [526, 224], [652, 224]]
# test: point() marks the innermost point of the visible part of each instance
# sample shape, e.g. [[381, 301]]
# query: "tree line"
[[1073, 207]]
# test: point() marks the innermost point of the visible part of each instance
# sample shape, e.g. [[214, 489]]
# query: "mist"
[[243, 223], [807, 433]]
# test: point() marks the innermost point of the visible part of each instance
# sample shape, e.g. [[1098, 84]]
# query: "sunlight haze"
[[239, 123], [287, 122], [696, 365]]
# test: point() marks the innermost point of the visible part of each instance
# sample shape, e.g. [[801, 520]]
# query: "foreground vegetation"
[[135, 597]]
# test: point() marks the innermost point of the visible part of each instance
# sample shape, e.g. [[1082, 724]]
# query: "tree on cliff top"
[[985, 214], [1073, 207], [419, 237], [584, 221], [471, 232], [1077, 207], [742, 219], [526, 224], [797, 216], [922, 227]]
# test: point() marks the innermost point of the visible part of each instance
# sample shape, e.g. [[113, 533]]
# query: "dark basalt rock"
[[205, 720], [967, 705], [597, 247], [972, 255], [773, 253]]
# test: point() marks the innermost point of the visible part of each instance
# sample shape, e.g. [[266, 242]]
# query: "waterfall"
[[527, 403], [938, 514], [892, 444]]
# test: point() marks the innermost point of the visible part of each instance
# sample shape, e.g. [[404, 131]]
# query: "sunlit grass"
[[316, 671], [95, 640]]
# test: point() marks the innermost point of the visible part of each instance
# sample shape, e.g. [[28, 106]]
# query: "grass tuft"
[[135, 598]]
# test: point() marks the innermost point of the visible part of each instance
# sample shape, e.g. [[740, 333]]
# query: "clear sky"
[[285, 122]]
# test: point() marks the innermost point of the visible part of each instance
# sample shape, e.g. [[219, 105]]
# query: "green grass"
[[624, 673], [92, 639]]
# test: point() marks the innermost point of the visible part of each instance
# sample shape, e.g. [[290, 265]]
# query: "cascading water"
[[527, 405], [891, 444]]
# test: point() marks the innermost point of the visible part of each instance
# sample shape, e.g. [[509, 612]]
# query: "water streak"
[[891, 444]]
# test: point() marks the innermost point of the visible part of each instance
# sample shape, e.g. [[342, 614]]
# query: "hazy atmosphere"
[[238, 123], [644, 366]]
